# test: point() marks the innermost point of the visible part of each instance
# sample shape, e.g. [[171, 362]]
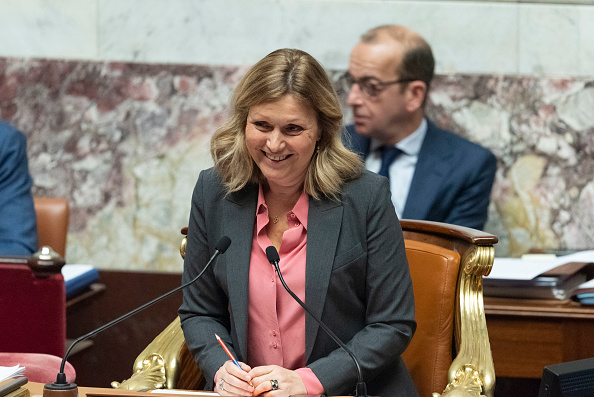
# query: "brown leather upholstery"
[[52, 222], [451, 345], [434, 272]]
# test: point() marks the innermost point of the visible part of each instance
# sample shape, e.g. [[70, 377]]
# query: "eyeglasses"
[[369, 85]]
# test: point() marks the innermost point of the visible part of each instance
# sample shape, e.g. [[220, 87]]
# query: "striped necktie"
[[388, 155]]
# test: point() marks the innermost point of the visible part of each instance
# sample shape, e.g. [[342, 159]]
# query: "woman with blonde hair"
[[283, 178]]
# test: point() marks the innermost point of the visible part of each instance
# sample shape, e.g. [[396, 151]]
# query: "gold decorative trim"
[[182, 247], [472, 372], [157, 366]]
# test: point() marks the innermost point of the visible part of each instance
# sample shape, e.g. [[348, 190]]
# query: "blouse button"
[[292, 215], [274, 345]]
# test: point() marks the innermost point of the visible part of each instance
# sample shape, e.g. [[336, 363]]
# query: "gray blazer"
[[357, 282]]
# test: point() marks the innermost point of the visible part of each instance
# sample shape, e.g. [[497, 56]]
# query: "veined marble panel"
[[586, 57], [467, 36], [45, 29], [550, 41], [234, 32], [542, 132], [125, 142]]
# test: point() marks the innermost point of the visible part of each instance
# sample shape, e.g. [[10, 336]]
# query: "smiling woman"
[[281, 137], [293, 73], [282, 178]]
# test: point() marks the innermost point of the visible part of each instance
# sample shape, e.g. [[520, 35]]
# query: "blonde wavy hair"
[[296, 73]]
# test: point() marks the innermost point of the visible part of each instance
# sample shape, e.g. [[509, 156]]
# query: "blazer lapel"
[[323, 227], [433, 167], [238, 224]]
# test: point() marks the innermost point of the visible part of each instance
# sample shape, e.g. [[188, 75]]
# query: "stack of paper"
[[540, 276], [531, 266], [11, 372]]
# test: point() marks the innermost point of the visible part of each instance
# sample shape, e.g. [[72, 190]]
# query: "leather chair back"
[[52, 222], [434, 272], [450, 351]]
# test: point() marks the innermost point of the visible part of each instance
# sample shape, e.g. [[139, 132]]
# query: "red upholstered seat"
[[33, 306], [32, 311], [42, 368]]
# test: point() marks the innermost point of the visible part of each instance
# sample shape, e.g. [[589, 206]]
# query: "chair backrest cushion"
[[32, 311], [434, 272], [52, 222]]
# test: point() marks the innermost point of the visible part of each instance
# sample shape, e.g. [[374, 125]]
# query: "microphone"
[[62, 388], [274, 259]]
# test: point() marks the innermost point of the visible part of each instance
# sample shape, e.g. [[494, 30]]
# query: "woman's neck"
[[281, 196], [279, 201]]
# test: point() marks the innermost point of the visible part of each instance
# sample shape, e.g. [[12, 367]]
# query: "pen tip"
[[217, 336]]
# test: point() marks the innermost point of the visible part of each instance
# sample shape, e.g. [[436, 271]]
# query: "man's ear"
[[415, 95]]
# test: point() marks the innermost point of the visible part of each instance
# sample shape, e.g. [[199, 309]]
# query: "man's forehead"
[[379, 60]]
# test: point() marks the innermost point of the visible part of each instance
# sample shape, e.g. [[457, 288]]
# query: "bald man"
[[434, 174]]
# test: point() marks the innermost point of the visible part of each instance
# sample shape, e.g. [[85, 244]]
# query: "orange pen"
[[228, 352]]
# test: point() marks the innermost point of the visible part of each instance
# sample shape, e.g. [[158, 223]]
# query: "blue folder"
[[78, 277]]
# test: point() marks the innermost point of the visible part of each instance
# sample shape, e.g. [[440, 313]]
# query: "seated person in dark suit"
[[18, 223], [434, 174]]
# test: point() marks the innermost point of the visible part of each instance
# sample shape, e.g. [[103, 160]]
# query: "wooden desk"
[[527, 335], [36, 389]]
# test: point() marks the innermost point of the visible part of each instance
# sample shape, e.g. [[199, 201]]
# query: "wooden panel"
[[527, 335], [113, 352], [522, 348]]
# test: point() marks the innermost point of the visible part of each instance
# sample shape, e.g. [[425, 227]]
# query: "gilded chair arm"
[[158, 366], [472, 372]]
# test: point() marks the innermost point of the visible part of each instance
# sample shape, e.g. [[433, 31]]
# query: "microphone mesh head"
[[223, 244], [272, 255]]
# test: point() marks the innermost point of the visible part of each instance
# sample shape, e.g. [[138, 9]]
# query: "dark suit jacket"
[[357, 282], [18, 223], [452, 180]]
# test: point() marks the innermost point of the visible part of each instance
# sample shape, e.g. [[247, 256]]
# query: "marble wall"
[[479, 37], [124, 142], [119, 99], [542, 132]]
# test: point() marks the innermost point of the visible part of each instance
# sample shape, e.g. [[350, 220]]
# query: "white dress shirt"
[[402, 168]]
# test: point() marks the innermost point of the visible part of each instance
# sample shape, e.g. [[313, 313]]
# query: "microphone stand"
[[274, 259], [62, 388]]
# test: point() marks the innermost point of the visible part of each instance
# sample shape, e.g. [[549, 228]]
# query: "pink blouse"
[[276, 323]]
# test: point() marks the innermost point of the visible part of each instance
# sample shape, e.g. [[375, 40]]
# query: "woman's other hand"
[[272, 380], [232, 381]]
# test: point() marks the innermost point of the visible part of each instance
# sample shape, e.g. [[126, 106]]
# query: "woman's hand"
[[272, 380], [232, 381]]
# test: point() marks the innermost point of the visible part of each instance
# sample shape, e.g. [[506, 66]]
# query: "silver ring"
[[222, 384], [274, 384]]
